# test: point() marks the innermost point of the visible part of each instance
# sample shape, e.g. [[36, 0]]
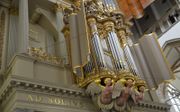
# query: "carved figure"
[[124, 94], [140, 89], [121, 96], [106, 95], [101, 95]]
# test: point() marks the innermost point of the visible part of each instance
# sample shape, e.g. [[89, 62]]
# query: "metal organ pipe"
[[98, 49], [115, 46], [96, 44], [116, 42], [117, 55], [113, 5], [130, 59], [113, 51], [88, 68], [121, 52], [109, 5]]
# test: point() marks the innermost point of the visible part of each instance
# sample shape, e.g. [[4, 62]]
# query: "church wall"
[[171, 34], [40, 90], [37, 36], [3, 36], [30, 68], [27, 96]]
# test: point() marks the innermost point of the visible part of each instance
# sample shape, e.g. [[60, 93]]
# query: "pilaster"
[[4, 36], [13, 33], [61, 42], [23, 37]]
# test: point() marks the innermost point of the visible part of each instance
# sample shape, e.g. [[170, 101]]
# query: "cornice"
[[154, 106], [28, 85], [27, 57]]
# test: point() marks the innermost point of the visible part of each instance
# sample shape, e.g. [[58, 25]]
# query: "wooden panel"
[[133, 8], [136, 8], [146, 3], [123, 5]]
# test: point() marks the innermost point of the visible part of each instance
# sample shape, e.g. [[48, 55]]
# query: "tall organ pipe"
[[130, 59], [98, 49], [88, 68], [128, 54], [115, 46], [113, 52], [96, 44], [120, 49], [109, 5]]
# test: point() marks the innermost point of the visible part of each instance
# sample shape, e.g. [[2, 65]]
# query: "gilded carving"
[[39, 54]]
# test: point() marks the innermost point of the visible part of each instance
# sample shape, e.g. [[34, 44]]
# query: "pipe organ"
[[107, 30], [102, 56]]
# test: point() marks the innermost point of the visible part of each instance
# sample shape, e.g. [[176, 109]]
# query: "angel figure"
[[140, 96], [101, 95], [140, 89], [124, 95]]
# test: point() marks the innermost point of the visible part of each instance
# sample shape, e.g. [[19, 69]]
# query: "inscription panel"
[[54, 101], [69, 102]]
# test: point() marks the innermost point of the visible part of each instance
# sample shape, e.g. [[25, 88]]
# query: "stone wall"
[[23, 92]]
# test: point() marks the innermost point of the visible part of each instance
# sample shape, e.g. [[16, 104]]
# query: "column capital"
[[109, 26], [121, 33], [91, 20], [92, 24]]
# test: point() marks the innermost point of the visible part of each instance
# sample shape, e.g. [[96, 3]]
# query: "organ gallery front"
[[109, 67], [78, 55]]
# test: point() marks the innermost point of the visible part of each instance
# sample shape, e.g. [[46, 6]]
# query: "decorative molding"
[[25, 85], [175, 41]]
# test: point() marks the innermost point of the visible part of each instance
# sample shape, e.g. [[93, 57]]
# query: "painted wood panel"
[[133, 8]]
